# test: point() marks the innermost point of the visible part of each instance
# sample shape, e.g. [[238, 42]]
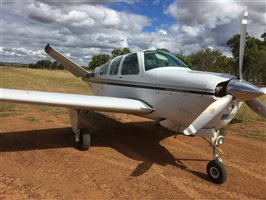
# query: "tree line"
[[46, 64], [254, 67]]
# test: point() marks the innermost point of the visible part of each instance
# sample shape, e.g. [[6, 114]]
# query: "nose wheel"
[[216, 172]]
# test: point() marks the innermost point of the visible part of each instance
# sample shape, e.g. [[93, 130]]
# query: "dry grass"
[[38, 79], [246, 114], [44, 80]]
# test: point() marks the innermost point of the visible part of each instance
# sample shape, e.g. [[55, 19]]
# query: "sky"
[[81, 29]]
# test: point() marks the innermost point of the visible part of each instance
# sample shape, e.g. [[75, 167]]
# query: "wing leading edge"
[[76, 101]]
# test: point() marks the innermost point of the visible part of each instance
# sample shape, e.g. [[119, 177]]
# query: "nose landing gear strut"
[[216, 170]]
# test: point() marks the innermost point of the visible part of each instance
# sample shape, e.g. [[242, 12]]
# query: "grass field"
[[63, 81]]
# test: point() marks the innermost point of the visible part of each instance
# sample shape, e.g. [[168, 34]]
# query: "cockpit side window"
[[130, 65], [115, 65], [156, 59], [104, 69]]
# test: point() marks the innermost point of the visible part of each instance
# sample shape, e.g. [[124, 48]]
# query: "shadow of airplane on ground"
[[36, 140], [136, 140]]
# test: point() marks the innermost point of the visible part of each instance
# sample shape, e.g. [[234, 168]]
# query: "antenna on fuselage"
[[150, 47]]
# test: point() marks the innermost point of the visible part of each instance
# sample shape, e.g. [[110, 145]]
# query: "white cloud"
[[211, 23], [75, 27], [162, 32], [205, 12], [188, 31], [84, 28], [78, 18]]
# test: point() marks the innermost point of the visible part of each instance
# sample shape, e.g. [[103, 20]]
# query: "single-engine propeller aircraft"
[[156, 85]]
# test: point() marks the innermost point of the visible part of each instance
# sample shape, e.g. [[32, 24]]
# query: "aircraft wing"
[[76, 101]]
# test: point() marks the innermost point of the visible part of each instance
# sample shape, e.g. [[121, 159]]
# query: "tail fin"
[[71, 66]]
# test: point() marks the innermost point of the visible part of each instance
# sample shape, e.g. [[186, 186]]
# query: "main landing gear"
[[83, 140], [216, 169], [82, 135]]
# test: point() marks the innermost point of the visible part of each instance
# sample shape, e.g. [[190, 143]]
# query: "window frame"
[[179, 63], [118, 66], [122, 64]]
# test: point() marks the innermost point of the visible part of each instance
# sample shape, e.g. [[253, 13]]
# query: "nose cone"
[[243, 90]]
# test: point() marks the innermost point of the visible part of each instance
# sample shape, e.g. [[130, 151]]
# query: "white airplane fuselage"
[[178, 95]]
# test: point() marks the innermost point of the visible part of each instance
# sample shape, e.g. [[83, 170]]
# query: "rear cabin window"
[[115, 65], [104, 69], [130, 65]]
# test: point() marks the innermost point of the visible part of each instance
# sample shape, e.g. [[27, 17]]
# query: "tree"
[[118, 52], [263, 37], [254, 57], [185, 59], [57, 65], [210, 60], [54, 65], [163, 49], [125, 51], [98, 60], [32, 65], [60, 66], [43, 64]]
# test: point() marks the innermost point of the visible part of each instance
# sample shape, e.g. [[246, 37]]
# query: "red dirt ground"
[[130, 158]]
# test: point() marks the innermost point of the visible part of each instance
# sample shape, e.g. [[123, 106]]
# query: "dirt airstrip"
[[130, 158]]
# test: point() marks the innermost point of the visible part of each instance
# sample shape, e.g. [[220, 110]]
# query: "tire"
[[85, 140], [216, 172]]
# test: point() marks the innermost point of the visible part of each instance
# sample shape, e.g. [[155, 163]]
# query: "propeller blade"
[[242, 43], [264, 90], [257, 106], [208, 114]]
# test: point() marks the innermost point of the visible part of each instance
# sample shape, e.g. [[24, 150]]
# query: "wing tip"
[[48, 48]]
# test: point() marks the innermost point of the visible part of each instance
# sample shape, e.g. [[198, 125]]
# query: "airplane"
[[156, 85]]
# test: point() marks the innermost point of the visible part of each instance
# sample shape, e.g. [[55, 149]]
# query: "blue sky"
[[83, 28], [152, 9]]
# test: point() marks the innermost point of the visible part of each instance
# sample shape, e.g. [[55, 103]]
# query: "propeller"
[[236, 89], [242, 43], [208, 114], [257, 107]]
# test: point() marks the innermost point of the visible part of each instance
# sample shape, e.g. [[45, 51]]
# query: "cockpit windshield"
[[156, 59]]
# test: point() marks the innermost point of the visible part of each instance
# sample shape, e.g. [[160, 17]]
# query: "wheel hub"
[[214, 172]]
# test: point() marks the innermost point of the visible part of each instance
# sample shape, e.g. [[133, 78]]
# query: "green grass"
[[11, 109], [253, 133], [52, 110], [30, 118], [246, 114], [247, 123]]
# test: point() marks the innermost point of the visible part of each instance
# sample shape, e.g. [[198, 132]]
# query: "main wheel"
[[216, 172], [84, 140]]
